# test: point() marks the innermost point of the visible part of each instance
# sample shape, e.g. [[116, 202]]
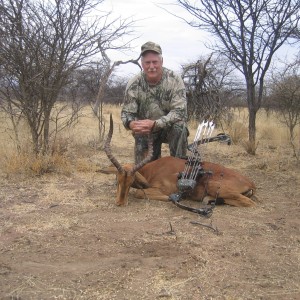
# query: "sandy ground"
[[63, 237]]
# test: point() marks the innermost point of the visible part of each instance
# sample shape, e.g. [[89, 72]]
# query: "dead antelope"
[[158, 179]]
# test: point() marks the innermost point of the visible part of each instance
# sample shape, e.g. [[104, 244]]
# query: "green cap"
[[150, 46]]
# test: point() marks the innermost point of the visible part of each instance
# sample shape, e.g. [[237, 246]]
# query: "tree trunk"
[[252, 131], [45, 141], [251, 100], [35, 138]]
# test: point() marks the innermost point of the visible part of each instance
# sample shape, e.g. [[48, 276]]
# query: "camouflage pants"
[[176, 136]]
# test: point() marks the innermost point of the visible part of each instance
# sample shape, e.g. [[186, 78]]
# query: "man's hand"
[[141, 127]]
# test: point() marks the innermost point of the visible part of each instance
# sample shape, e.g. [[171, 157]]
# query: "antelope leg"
[[151, 194], [239, 200]]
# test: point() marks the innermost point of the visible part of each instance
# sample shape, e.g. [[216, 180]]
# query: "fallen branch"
[[215, 229]]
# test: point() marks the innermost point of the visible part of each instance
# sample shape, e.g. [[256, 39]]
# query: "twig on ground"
[[215, 229], [171, 229]]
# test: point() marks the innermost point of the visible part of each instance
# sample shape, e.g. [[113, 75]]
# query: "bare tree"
[[96, 84], [285, 97], [248, 33], [86, 81], [41, 44], [209, 87], [108, 69]]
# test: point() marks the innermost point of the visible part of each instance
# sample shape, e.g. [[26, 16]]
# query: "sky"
[[180, 42]]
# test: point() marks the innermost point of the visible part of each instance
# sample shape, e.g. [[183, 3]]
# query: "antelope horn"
[[147, 158], [107, 146]]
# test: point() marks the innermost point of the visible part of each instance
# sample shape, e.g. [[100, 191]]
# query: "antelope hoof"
[[121, 203]]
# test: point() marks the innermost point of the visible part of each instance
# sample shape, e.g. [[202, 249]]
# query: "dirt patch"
[[62, 237]]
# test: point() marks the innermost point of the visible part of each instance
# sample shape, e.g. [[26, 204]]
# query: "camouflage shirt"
[[165, 102]]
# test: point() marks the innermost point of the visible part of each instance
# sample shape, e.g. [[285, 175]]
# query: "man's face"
[[152, 66]]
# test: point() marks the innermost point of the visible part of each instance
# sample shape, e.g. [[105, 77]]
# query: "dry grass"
[[73, 146], [62, 237]]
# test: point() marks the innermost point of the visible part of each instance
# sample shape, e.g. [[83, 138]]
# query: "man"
[[155, 103]]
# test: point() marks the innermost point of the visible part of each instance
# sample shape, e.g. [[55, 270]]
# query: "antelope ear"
[[108, 170], [140, 182]]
